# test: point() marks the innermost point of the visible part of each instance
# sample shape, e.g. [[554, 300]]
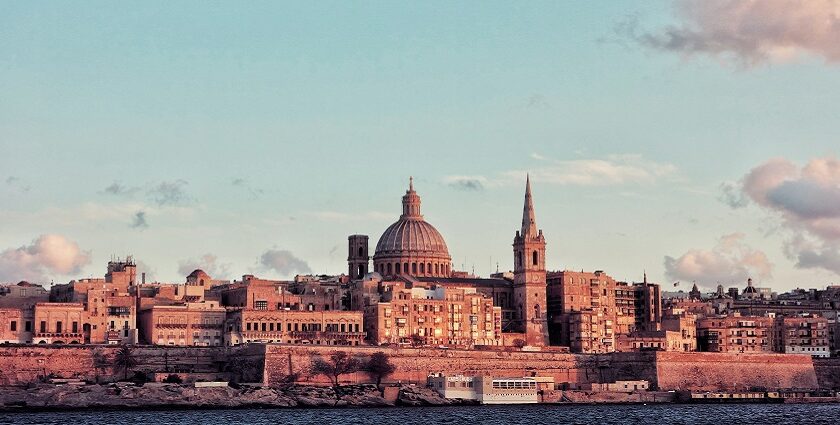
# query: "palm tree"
[[125, 360]]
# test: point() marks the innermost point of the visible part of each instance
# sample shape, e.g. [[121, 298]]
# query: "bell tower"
[[529, 282], [357, 257]]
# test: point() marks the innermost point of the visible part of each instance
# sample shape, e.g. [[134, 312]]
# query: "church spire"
[[529, 221]]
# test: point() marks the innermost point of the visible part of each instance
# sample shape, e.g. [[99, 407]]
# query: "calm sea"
[[766, 414]]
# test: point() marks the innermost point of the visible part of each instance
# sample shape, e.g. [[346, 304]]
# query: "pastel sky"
[[696, 140]]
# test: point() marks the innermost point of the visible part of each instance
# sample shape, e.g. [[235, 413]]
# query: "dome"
[[411, 245], [411, 236]]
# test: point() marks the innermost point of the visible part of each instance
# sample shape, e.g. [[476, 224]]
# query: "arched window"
[[389, 269], [437, 268], [536, 258], [361, 252], [405, 268], [422, 268], [413, 268], [429, 268], [361, 270], [519, 258], [537, 311]]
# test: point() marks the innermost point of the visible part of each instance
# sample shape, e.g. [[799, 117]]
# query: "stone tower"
[[529, 286], [357, 257]]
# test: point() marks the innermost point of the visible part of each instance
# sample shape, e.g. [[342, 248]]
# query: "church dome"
[[411, 236], [411, 245]]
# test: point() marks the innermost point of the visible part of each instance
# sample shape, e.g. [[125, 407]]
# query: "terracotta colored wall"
[[828, 373], [711, 371], [670, 371], [414, 365], [20, 364]]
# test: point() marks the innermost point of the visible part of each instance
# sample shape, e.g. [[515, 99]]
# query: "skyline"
[[255, 139]]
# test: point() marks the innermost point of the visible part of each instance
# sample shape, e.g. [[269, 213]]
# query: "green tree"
[[124, 359], [378, 367]]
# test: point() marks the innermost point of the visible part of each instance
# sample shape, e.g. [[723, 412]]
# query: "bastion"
[[273, 364]]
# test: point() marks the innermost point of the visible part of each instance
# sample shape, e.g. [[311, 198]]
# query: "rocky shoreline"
[[46, 397]]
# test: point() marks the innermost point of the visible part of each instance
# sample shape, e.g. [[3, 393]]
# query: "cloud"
[[151, 273], [340, 216], [467, 183], [47, 255], [750, 32], [253, 192], [169, 193], [611, 170], [207, 262], [807, 201], [118, 189], [537, 101], [139, 220], [17, 183], [731, 195], [283, 262], [730, 261]]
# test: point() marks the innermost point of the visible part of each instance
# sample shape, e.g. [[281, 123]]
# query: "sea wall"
[[723, 371], [828, 373], [274, 364], [414, 365], [26, 363]]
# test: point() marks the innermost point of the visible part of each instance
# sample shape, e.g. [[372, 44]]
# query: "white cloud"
[[807, 200], [750, 31], [283, 262], [730, 261], [340, 216], [46, 256], [611, 170], [209, 263]]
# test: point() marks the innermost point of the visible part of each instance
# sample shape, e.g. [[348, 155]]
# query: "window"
[[260, 305], [76, 327], [536, 257], [27, 326], [13, 326], [58, 327]]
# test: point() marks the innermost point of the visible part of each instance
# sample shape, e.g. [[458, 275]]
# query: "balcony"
[[61, 336]]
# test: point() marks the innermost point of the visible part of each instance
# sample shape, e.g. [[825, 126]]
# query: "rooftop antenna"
[[497, 266]]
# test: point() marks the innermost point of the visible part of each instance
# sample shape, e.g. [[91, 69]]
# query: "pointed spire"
[[529, 221], [411, 183], [645, 276]]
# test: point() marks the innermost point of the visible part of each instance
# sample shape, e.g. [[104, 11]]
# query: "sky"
[[692, 140]]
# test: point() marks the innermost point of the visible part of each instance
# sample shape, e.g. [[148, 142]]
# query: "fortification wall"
[[723, 371], [273, 364], [828, 373], [23, 364], [414, 365]]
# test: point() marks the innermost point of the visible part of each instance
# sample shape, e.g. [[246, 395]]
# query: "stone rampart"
[[25, 363], [274, 364], [724, 371], [415, 364], [828, 373]]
